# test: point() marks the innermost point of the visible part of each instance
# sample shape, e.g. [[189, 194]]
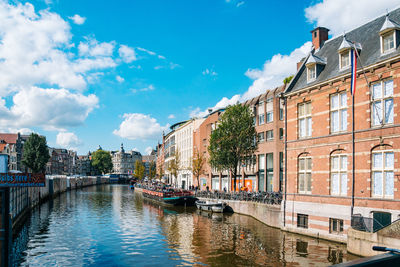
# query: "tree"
[[139, 170], [287, 79], [101, 160], [152, 170], [36, 153], [197, 165], [175, 164], [234, 140]]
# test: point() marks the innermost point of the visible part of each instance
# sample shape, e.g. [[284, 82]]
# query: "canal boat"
[[171, 197], [218, 207]]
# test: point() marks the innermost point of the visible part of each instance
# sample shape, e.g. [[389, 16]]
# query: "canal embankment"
[[23, 199]]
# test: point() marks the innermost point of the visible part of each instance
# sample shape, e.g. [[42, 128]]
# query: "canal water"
[[109, 225]]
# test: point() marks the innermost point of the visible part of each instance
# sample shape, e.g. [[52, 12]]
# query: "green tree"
[[174, 165], [234, 140], [287, 79], [36, 153], [139, 170], [152, 170], [101, 160], [197, 165]]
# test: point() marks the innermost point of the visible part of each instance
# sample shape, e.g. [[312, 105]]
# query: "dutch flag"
[[353, 71]]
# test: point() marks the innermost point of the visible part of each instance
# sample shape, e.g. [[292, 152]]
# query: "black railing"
[[366, 224], [273, 198]]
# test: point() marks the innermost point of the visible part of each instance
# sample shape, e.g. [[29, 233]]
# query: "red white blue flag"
[[353, 71]]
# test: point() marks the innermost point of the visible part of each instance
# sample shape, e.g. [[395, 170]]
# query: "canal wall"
[[24, 199]]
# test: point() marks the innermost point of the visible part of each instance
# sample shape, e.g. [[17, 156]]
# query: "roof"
[[389, 25], [366, 35], [315, 59], [9, 138]]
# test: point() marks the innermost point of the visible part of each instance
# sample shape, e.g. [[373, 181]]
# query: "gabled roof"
[[367, 35], [9, 138], [389, 25], [315, 59]]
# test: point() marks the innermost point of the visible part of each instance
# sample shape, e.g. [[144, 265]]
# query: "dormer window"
[[345, 59], [388, 42], [388, 35], [311, 73], [314, 65]]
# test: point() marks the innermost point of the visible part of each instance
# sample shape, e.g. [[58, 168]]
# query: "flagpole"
[[352, 90]]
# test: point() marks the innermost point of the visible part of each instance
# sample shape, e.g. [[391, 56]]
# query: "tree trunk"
[[234, 180], [198, 183]]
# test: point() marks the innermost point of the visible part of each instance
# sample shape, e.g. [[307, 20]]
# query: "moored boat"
[[218, 207], [171, 197]]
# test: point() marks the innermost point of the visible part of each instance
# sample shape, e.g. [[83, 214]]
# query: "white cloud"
[[274, 71], [127, 53], [210, 72], [48, 108], [146, 50], [77, 19], [161, 57], [68, 140], [344, 15], [171, 116], [144, 89], [119, 79], [93, 48], [240, 4], [148, 150], [224, 102], [140, 126]]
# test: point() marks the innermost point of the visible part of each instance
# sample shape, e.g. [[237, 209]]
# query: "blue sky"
[[89, 73]]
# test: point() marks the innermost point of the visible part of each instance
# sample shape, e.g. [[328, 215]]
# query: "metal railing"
[[367, 224], [273, 198]]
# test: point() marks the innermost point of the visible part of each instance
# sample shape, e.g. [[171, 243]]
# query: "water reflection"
[[110, 225]]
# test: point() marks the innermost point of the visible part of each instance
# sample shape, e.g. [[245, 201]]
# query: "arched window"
[[338, 179], [304, 174], [382, 165]]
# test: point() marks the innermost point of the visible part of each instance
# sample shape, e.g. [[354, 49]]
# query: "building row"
[[334, 155]]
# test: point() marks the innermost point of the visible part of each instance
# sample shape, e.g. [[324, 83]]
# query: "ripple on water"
[[111, 226]]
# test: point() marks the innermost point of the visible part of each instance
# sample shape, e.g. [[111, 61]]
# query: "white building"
[[184, 144]]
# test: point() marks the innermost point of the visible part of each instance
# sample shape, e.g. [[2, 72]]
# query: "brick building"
[[320, 193], [267, 173], [11, 144]]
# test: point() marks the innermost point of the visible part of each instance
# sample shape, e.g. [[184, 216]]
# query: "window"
[[388, 42], [281, 110], [261, 172], [261, 137], [270, 172], [270, 111], [280, 133], [304, 181], [311, 73], [344, 59], [383, 174], [382, 103], [339, 112], [339, 175], [335, 226], [261, 113], [270, 135], [302, 221], [305, 120]]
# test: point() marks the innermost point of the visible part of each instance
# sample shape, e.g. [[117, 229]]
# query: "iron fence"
[[273, 198]]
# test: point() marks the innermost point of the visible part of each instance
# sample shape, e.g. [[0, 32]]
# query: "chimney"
[[300, 62], [319, 36], [210, 110]]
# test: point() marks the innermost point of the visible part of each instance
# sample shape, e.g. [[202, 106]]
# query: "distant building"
[[62, 162], [147, 160], [124, 162], [11, 144]]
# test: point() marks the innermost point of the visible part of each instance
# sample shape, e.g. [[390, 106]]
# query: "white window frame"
[[309, 68], [306, 118], [259, 139], [261, 113], [270, 138], [341, 54], [341, 110], [383, 170], [385, 35], [341, 172], [270, 110], [383, 99], [303, 174]]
